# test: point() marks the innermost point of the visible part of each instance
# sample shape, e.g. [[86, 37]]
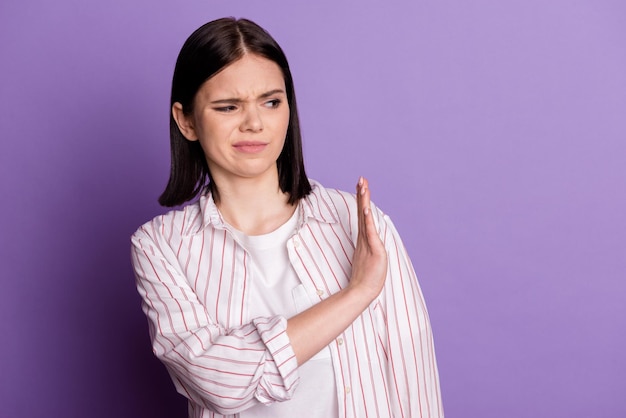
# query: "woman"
[[271, 296]]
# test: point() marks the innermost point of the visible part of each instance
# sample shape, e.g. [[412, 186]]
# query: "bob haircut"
[[207, 51]]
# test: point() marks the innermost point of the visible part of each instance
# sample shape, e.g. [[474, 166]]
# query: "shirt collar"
[[317, 205]]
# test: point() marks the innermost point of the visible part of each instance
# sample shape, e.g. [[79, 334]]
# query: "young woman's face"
[[240, 117]]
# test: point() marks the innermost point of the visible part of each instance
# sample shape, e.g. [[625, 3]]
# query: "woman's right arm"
[[223, 370]]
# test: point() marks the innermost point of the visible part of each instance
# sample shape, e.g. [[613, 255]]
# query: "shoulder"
[[178, 222], [343, 202], [329, 203], [342, 205]]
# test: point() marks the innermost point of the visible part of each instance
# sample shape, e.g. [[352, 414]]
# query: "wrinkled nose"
[[251, 121]]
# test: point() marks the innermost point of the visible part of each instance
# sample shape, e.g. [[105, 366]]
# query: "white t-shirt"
[[276, 290]]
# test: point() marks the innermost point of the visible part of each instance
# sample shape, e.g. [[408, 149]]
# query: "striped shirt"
[[194, 279]]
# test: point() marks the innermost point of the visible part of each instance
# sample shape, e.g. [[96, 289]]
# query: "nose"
[[251, 120]]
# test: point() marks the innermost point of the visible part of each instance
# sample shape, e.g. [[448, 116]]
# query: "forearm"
[[229, 373], [315, 328]]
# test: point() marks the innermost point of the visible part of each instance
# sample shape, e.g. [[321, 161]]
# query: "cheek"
[[216, 130], [285, 120], [282, 132]]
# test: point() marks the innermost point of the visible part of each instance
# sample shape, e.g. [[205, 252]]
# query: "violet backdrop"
[[493, 133]]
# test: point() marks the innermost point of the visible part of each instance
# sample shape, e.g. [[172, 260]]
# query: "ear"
[[185, 123]]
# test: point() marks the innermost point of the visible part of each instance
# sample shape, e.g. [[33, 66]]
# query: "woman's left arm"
[[412, 366]]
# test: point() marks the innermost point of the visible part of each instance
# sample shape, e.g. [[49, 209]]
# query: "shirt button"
[[320, 292], [348, 390], [340, 341], [296, 243]]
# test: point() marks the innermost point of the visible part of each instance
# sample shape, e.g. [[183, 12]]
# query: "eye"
[[273, 104], [226, 109]]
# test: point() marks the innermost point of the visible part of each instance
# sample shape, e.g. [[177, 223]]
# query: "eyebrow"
[[262, 96]]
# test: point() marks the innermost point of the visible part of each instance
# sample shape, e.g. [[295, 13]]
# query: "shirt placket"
[[308, 270]]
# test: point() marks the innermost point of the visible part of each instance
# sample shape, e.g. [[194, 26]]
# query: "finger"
[[369, 228], [365, 197], [370, 232], [372, 238], [365, 213], [360, 207]]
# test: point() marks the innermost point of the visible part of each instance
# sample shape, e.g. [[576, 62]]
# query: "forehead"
[[249, 75]]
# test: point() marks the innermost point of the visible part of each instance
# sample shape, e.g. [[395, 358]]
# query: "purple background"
[[493, 133]]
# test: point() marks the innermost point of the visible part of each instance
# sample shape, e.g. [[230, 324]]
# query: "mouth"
[[250, 147]]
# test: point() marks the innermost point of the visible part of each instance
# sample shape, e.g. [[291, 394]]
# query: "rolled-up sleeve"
[[224, 370]]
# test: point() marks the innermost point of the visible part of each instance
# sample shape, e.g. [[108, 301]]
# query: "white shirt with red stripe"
[[276, 289], [196, 280]]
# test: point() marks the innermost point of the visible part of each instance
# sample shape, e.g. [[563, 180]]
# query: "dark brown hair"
[[208, 50]]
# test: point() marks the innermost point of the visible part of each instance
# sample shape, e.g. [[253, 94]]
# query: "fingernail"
[[362, 191], [360, 180], [366, 211]]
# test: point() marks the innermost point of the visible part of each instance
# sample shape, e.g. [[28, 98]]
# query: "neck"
[[254, 206]]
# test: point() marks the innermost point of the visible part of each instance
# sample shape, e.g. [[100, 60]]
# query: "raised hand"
[[369, 262]]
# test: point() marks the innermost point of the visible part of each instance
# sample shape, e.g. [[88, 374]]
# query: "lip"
[[250, 147]]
